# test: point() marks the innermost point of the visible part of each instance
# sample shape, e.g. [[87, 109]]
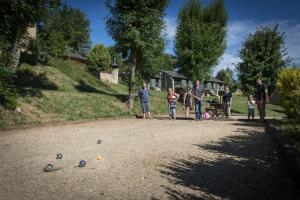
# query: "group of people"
[[194, 97]]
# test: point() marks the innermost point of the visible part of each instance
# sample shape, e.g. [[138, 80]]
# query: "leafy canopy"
[[99, 58], [263, 55], [63, 27], [136, 27], [200, 37]]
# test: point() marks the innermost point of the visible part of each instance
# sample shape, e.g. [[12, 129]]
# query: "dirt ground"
[[143, 159]]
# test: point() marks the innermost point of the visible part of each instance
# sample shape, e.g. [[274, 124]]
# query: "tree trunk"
[[15, 55], [132, 89]]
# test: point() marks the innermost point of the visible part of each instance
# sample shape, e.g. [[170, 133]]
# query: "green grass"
[[289, 128], [79, 95], [239, 107]]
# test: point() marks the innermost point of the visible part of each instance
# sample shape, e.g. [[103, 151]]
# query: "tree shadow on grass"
[[238, 167], [83, 86]]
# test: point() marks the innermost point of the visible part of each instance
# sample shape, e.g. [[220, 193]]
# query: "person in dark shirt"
[[188, 102], [198, 94], [261, 98], [144, 94], [227, 102]]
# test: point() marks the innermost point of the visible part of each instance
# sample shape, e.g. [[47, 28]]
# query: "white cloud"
[[170, 29], [228, 60]]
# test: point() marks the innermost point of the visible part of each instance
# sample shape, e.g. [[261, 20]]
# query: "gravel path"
[[143, 159]]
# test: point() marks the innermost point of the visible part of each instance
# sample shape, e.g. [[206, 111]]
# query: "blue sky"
[[244, 17]]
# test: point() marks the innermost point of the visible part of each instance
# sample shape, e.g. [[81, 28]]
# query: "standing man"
[[198, 94], [144, 94], [261, 98]]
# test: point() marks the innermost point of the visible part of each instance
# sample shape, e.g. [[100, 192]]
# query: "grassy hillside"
[[76, 95], [66, 91]]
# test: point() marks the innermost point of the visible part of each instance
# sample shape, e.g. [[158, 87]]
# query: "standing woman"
[[188, 102], [144, 94], [227, 102]]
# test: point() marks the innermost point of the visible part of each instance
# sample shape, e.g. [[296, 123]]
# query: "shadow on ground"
[[83, 86], [245, 166]]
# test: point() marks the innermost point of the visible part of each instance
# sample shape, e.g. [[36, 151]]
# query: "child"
[[251, 109], [172, 107], [206, 114]]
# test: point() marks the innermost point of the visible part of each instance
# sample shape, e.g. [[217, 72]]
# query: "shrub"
[[8, 94], [288, 86], [99, 58]]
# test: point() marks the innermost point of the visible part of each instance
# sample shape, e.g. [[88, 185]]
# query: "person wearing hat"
[[188, 101], [172, 98]]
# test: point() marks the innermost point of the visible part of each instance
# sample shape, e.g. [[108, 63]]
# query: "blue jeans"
[[198, 112], [172, 111]]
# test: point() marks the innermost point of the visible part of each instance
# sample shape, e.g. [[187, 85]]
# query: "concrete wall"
[[111, 78], [106, 77], [115, 75]]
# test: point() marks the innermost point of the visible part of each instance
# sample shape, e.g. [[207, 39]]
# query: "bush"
[[288, 86], [8, 94]]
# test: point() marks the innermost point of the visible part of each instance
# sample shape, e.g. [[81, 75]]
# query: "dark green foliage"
[[99, 58], [16, 16], [263, 56], [8, 94], [200, 37], [61, 27], [136, 27], [166, 62]]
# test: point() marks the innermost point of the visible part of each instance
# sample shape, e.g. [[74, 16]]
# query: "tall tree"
[[69, 25], [16, 17], [200, 37], [263, 54], [136, 26]]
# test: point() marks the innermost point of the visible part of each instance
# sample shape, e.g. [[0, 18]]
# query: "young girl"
[[251, 109], [188, 102], [171, 102]]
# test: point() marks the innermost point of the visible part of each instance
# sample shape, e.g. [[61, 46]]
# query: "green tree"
[[16, 17], [226, 75], [70, 26], [263, 54], [136, 27], [200, 37], [99, 58], [166, 62]]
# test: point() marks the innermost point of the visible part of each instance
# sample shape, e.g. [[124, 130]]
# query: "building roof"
[[175, 74], [213, 79], [75, 56]]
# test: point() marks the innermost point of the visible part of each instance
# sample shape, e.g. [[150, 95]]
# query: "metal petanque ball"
[[49, 168], [99, 141], [59, 156], [82, 163]]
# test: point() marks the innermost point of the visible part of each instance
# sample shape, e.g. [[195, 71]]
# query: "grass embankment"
[[290, 129], [77, 95]]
